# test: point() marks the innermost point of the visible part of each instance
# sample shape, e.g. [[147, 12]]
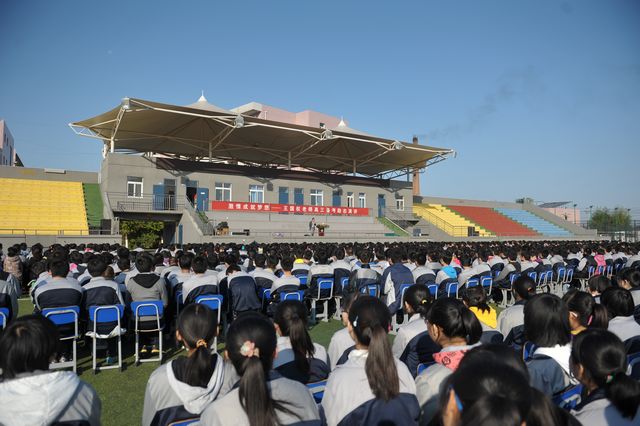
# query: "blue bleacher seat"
[[534, 222]]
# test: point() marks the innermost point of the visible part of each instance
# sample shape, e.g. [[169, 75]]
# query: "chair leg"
[[160, 344], [93, 352], [75, 353], [120, 352], [137, 347], [326, 311]]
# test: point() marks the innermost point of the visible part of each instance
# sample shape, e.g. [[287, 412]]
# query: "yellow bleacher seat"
[[42, 207], [447, 220]]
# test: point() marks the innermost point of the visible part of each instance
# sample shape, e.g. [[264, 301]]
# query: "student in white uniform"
[[341, 341], [184, 387], [262, 397], [299, 358], [619, 304], [372, 384], [599, 362]]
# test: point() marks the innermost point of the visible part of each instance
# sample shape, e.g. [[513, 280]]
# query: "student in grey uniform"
[[299, 358], [511, 320], [584, 312], [412, 344], [30, 393], [456, 329], [185, 386], [372, 384], [630, 279], [619, 304], [261, 397], [599, 361], [341, 341]]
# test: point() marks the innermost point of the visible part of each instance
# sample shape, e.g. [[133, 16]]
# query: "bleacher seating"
[[449, 221], [493, 221], [534, 222], [39, 207]]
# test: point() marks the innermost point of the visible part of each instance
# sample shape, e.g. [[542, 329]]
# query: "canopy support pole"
[[354, 167], [289, 160], [210, 159]]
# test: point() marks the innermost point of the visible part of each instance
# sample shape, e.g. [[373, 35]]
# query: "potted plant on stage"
[[222, 228], [321, 227]]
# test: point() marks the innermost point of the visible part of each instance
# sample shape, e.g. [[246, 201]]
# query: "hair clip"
[[249, 350], [201, 342], [355, 322]]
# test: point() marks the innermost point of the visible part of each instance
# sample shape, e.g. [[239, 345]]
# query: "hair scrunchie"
[[249, 350], [201, 342]]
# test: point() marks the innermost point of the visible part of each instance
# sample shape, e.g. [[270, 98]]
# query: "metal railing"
[[121, 202], [401, 218], [58, 232], [453, 230], [201, 220], [305, 234]]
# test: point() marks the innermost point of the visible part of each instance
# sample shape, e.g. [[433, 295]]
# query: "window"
[[350, 199], [134, 187], [400, 203], [316, 197], [362, 200], [256, 193], [223, 191]]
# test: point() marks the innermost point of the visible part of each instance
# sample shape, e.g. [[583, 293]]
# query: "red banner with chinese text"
[[288, 208]]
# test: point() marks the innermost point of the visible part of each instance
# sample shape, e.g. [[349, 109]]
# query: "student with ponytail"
[[456, 329], [261, 397], [372, 384], [584, 312], [599, 361], [412, 344], [298, 357], [185, 386]]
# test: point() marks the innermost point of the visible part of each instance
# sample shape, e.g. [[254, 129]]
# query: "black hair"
[[589, 313], [546, 321], [255, 398], [185, 261], [491, 391], [291, 317], [12, 251], [144, 263], [603, 357], [419, 298], [476, 296], [618, 301], [286, 263], [27, 344], [455, 319], [524, 287], [59, 268], [260, 260], [371, 319], [395, 255], [630, 275], [199, 265], [124, 263], [96, 267], [198, 323], [598, 283]]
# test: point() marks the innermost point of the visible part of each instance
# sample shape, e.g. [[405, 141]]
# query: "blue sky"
[[539, 98]]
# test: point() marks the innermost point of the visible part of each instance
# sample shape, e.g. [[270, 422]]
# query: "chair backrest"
[[486, 281], [325, 283], [107, 313], [423, 366], [513, 277], [147, 308], [293, 295], [344, 281], [371, 289], [4, 318], [213, 301], [634, 365], [533, 275], [527, 350], [185, 422], [317, 389], [302, 277], [62, 315], [562, 272], [179, 296], [473, 282], [403, 288], [265, 293], [569, 398]]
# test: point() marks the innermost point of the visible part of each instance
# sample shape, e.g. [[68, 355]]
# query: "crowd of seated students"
[[454, 361]]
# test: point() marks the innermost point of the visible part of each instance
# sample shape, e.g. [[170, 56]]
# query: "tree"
[[605, 220], [142, 233]]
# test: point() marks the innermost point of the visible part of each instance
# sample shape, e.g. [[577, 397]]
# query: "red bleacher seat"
[[493, 221]]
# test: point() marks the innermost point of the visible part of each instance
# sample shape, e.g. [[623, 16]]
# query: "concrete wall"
[[47, 240], [48, 174], [7, 146]]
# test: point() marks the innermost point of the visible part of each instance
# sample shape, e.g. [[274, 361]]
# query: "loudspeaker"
[[269, 187]]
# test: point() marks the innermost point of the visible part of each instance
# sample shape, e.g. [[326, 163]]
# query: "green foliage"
[[605, 220], [142, 233]]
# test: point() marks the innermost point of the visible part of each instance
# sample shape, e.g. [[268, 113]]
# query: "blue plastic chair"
[[179, 302], [148, 308], [527, 350], [569, 398], [634, 365], [106, 314], [303, 279], [214, 302], [4, 318], [473, 282], [487, 284], [265, 296], [64, 316], [185, 422], [293, 295], [317, 389], [372, 290], [344, 282], [324, 285], [433, 289]]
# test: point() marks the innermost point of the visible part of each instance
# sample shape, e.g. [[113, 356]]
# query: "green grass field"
[[122, 393]]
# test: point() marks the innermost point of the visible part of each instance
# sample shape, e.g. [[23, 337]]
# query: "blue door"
[[381, 205], [203, 199], [283, 195], [158, 197], [298, 196], [337, 201]]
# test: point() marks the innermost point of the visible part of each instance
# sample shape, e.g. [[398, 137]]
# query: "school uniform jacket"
[[242, 292], [56, 293], [295, 396], [101, 292], [168, 398], [340, 342], [511, 317], [285, 363], [348, 399], [362, 277], [624, 327], [423, 275], [596, 410], [9, 298], [393, 278], [264, 278], [413, 345], [546, 373], [199, 285]]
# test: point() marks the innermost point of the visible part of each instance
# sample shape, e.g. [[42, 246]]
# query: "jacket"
[[148, 286], [199, 285], [242, 293], [56, 293], [43, 397], [101, 292], [13, 265], [392, 279], [285, 363], [597, 410]]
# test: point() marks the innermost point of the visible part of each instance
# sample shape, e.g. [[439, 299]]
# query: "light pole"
[[590, 208], [574, 213]]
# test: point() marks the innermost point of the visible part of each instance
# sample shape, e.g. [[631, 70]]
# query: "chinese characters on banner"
[[288, 208]]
